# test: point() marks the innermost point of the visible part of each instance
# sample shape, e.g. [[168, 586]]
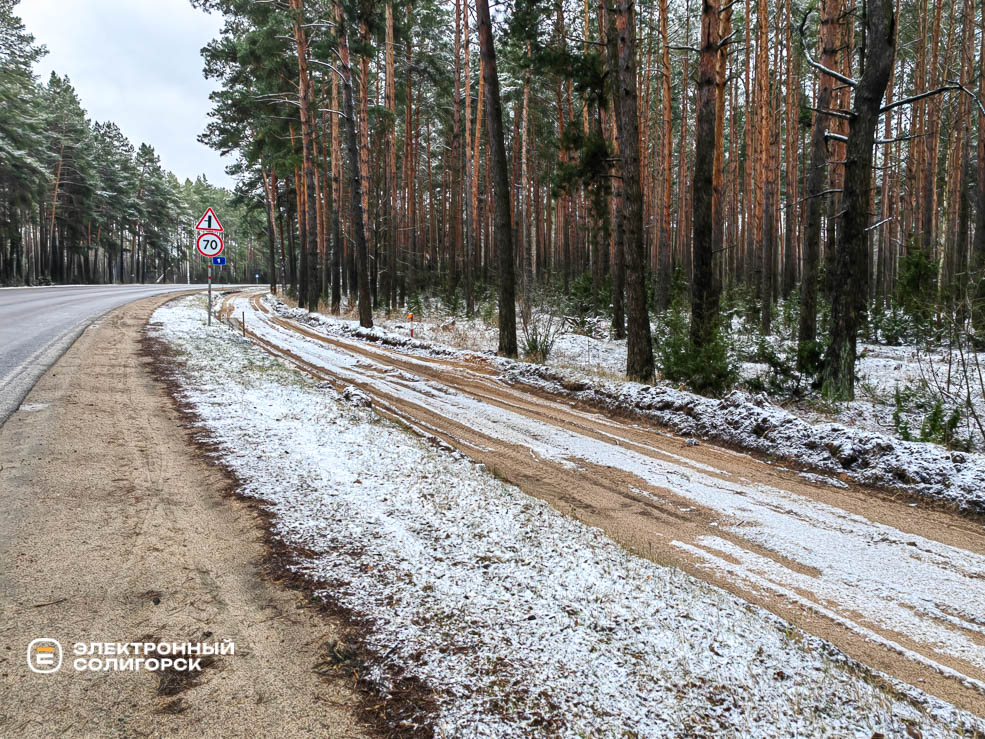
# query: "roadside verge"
[[114, 528]]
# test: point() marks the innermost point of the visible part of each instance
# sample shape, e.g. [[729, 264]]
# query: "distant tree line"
[[80, 204]]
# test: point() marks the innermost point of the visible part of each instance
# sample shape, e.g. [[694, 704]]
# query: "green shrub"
[[451, 300], [415, 305], [781, 376], [901, 424], [938, 428], [916, 286], [708, 370], [891, 325], [487, 309]]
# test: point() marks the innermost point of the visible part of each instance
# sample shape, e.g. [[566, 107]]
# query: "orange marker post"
[[411, 317]]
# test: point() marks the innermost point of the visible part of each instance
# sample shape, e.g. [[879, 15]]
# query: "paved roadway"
[[37, 325]]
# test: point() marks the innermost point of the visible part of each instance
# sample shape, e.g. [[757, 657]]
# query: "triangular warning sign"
[[209, 222]]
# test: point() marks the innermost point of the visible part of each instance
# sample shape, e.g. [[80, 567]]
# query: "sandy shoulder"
[[114, 528]]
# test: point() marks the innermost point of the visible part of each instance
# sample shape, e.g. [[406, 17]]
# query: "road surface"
[[895, 586], [37, 325]]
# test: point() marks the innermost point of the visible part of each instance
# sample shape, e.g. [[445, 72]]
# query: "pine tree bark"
[[850, 281], [704, 290], [791, 149], [718, 214], [390, 196], [455, 236], [308, 284], [622, 54], [270, 195], [500, 184], [469, 246], [666, 167], [979, 243], [363, 139], [358, 224], [410, 180], [816, 177], [337, 247]]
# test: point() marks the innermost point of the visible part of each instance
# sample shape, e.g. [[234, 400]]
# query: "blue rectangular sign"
[[218, 260]]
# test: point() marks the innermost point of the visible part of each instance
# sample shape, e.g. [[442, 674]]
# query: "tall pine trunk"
[[850, 281], [358, 224], [807, 352], [704, 295], [622, 54], [500, 184]]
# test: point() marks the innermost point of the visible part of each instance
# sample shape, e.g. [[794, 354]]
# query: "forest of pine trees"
[[628, 156], [654, 161], [80, 204]]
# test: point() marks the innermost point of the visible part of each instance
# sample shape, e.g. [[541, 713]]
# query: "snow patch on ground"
[[753, 423], [521, 620], [746, 421]]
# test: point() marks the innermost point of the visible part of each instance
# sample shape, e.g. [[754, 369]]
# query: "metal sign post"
[[210, 245]]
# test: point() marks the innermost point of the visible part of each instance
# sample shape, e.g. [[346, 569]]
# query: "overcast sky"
[[136, 62]]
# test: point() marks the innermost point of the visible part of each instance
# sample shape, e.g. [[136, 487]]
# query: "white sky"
[[137, 63]]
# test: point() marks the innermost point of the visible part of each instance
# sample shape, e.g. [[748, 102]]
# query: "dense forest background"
[[667, 164], [79, 203]]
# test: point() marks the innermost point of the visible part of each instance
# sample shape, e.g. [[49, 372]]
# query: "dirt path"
[[114, 528], [897, 588]]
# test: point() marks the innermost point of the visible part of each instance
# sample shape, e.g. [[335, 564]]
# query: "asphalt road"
[[37, 325]]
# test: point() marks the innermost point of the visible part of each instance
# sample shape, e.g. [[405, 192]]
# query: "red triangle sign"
[[209, 222]]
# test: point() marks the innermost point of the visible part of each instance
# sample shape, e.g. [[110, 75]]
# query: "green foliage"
[[741, 301], [890, 324], [488, 307], [415, 304], [452, 299], [938, 428], [901, 424], [781, 377], [810, 355], [789, 315], [939, 425], [709, 370], [916, 286], [581, 303], [542, 319], [537, 344]]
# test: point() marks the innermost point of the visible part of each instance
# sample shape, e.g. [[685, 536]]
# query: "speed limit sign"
[[209, 245]]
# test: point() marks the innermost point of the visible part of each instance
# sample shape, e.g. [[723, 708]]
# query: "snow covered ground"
[[922, 376], [589, 369], [522, 621]]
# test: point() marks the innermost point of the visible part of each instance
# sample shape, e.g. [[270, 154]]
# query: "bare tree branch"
[[949, 87], [835, 113], [817, 65], [820, 194]]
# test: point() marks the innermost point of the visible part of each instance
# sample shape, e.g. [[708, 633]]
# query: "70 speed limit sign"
[[209, 245]]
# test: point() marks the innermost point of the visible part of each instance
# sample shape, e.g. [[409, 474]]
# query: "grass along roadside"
[[519, 619]]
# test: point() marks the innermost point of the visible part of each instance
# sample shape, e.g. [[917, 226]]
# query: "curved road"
[[37, 325]]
